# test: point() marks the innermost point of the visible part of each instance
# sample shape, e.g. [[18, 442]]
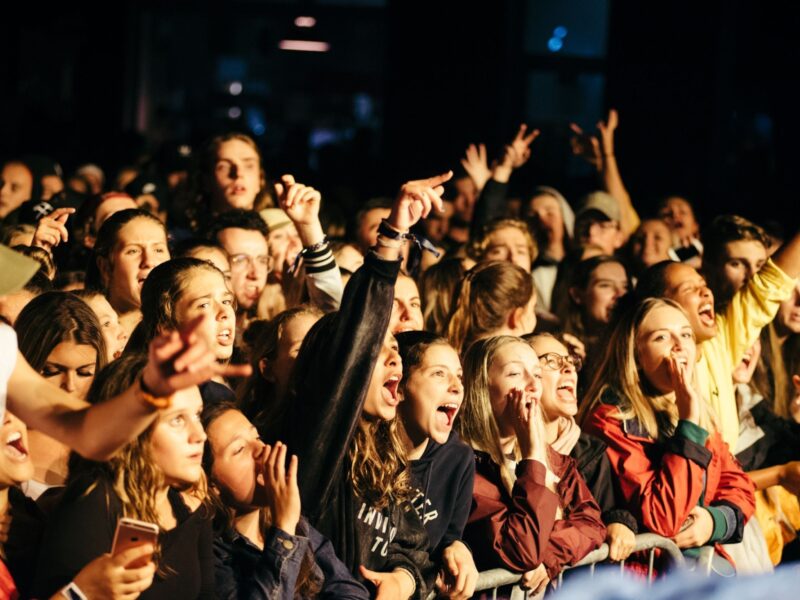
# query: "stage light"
[[235, 88], [554, 44]]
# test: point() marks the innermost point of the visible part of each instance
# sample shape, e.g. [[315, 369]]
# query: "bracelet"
[[158, 402], [389, 232], [385, 242], [308, 250]]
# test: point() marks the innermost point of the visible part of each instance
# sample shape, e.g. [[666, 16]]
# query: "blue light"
[[554, 44], [560, 32]]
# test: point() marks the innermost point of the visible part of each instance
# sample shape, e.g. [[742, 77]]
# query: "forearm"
[[612, 181], [768, 477]]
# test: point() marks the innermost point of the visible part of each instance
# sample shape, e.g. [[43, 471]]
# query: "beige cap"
[[15, 270], [275, 218], [602, 202]]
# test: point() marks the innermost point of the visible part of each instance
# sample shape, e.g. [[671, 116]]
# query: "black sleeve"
[[409, 550], [333, 388], [77, 532], [205, 553], [781, 436], [462, 504], [490, 205]]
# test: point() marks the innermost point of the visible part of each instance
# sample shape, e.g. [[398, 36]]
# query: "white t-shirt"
[[8, 360]]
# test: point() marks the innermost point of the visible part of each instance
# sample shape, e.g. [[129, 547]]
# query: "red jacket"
[[519, 531], [663, 480]]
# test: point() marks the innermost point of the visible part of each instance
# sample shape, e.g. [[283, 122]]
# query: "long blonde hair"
[[619, 373], [476, 423]]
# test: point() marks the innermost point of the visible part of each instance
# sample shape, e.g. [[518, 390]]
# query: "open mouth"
[[15, 447], [706, 313], [680, 359], [566, 389], [225, 337], [446, 414], [390, 390]]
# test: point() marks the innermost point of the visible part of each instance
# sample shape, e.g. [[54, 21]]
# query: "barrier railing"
[[494, 579]]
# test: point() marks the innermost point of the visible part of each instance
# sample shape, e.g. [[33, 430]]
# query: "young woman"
[[442, 466], [143, 481], [113, 333], [531, 511], [355, 484], [60, 338], [129, 245], [677, 476], [263, 395], [494, 298], [263, 548], [559, 406]]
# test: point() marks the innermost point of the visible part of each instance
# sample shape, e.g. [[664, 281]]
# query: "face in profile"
[[16, 466], [291, 338], [114, 334], [559, 383], [382, 393]]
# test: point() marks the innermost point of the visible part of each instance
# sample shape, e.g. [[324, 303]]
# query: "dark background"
[[706, 91]]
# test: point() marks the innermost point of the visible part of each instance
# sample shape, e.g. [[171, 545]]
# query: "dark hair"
[[40, 255], [55, 317], [437, 284], [107, 239], [38, 284], [238, 219], [729, 228], [652, 283], [572, 315], [413, 345]]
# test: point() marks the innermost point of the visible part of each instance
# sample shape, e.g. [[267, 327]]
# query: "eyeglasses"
[[555, 362], [238, 261]]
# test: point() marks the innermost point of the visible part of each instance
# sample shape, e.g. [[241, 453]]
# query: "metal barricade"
[[497, 578]]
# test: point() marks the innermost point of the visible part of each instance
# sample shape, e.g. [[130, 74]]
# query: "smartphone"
[[131, 533]]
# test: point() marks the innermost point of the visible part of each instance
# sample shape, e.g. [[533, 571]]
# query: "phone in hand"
[[131, 533]]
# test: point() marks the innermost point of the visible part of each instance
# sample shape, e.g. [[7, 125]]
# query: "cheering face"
[[15, 463], [665, 334], [141, 246], [205, 292], [71, 367], [686, 286], [407, 308], [743, 372], [237, 176], [514, 366], [559, 384], [679, 215], [238, 455], [432, 394], [382, 393], [176, 444]]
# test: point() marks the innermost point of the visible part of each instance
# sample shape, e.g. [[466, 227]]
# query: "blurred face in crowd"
[[16, 186], [743, 372], [432, 393], [788, 318], [742, 259], [546, 214], [509, 244], [407, 308], [597, 230], [71, 366], [12, 304], [15, 464], [238, 459], [559, 384], [176, 443], [514, 366], [651, 242], [687, 287], [606, 284], [292, 335], [437, 224], [284, 246], [237, 176], [141, 246], [205, 292], [664, 335], [466, 195], [382, 393], [216, 256], [679, 215], [111, 203], [51, 185], [113, 333], [250, 263], [368, 227]]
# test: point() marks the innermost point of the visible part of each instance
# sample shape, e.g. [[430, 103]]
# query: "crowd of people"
[[461, 380]]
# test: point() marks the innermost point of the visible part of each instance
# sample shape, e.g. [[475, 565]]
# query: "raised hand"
[[606, 129], [521, 145], [476, 165], [686, 397], [460, 575], [586, 146], [51, 229], [300, 202], [524, 412], [178, 360], [284, 495], [416, 199]]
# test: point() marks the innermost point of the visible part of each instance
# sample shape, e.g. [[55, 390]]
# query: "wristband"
[[387, 231], [73, 592], [158, 402], [308, 250]]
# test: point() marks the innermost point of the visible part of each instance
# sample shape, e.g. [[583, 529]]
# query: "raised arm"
[[787, 259], [176, 361]]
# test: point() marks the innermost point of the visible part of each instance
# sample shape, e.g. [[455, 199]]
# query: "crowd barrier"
[[494, 579]]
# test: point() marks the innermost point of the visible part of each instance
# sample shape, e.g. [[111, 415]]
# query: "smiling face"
[[382, 397], [407, 308], [432, 393], [250, 261], [514, 366], [686, 286], [71, 367], [205, 292], [113, 333], [238, 455], [237, 176], [15, 464], [559, 386], [664, 334], [509, 244], [606, 284], [176, 444], [141, 246]]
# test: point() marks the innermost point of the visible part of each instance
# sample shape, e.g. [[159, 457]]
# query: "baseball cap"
[[601, 202], [15, 270]]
